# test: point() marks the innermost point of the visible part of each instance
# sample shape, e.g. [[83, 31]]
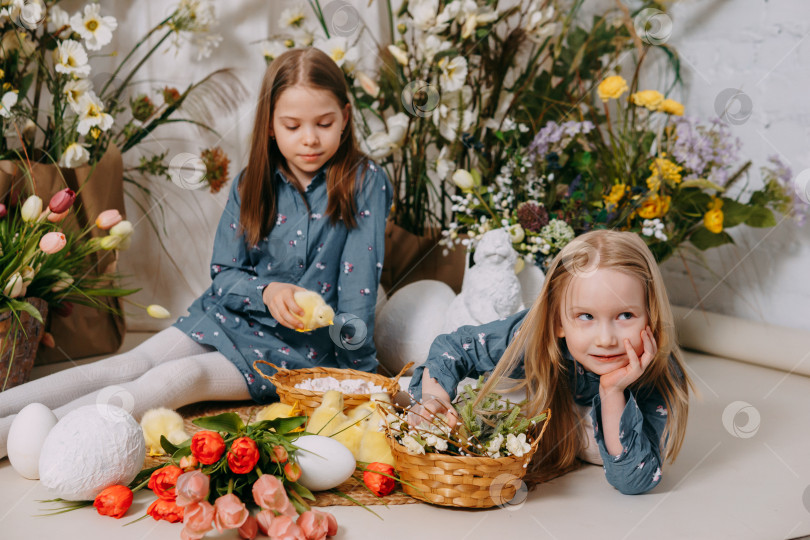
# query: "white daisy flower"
[[91, 114], [75, 90], [74, 156], [94, 29], [292, 18], [453, 73], [431, 46], [57, 18], [70, 58], [273, 49], [8, 101], [340, 51], [196, 17]]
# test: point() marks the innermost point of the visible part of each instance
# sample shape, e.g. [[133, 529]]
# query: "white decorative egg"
[[324, 462], [90, 449], [26, 436]]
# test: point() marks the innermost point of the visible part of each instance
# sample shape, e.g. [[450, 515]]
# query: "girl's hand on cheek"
[[621, 378], [279, 299]]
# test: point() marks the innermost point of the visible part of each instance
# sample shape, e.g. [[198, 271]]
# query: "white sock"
[[171, 384], [64, 386]]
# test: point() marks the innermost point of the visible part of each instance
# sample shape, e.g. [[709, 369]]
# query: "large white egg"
[[324, 462], [26, 436], [90, 449]]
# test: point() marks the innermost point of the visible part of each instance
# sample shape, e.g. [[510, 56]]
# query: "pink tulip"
[[62, 200], [185, 534], [249, 529], [269, 493], [52, 242], [264, 519], [198, 518], [313, 524], [108, 219], [192, 487], [3, 211], [285, 528], [56, 218], [230, 512]]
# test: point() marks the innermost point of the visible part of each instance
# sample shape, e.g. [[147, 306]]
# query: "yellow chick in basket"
[[161, 421], [351, 432], [317, 313], [374, 445], [328, 417]]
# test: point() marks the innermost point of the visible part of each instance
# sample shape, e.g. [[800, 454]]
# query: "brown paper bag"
[[86, 331], [410, 258]]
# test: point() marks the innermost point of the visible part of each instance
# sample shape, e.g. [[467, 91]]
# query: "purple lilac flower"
[[552, 133], [705, 150]]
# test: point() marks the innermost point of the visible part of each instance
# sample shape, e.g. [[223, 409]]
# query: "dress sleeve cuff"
[[630, 427]]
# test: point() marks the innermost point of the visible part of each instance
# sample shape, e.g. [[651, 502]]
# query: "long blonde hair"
[[547, 381]]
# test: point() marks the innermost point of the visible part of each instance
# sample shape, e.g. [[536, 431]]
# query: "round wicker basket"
[[462, 481], [309, 400]]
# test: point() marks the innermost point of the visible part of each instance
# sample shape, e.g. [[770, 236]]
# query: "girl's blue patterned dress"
[[303, 248]]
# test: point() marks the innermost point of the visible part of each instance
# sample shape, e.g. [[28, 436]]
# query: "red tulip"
[[62, 200]]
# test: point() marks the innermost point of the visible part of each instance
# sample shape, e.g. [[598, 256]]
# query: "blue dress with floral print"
[[305, 249], [474, 350]]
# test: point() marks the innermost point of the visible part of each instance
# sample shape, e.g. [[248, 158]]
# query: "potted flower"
[[66, 123], [45, 266]]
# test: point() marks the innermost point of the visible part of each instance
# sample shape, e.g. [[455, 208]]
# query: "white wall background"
[[757, 46]]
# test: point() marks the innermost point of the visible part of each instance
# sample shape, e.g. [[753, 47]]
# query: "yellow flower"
[[615, 195], [663, 169], [158, 312], [713, 220], [654, 206], [670, 106], [611, 88], [652, 99]]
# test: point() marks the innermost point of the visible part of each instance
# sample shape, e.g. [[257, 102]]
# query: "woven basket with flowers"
[[479, 463]]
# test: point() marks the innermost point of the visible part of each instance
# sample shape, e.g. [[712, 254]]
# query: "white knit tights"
[[168, 370]]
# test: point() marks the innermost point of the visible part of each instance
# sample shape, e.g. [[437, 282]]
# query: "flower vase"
[[85, 331], [18, 344], [410, 258]]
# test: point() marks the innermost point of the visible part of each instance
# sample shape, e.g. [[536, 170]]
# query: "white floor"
[[722, 486]]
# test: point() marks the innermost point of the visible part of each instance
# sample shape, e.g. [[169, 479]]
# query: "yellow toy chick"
[[373, 444], [161, 421], [328, 417], [317, 313], [351, 432]]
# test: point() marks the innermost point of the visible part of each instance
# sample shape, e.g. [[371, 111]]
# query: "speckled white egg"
[[324, 462], [90, 449], [26, 436]]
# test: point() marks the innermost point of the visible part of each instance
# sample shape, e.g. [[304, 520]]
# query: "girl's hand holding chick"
[[280, 301]]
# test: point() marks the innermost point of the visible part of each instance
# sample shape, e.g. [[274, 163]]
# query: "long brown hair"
[[309, 67], [547, 381]]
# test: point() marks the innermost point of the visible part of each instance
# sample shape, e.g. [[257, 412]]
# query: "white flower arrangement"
[[496, 428]]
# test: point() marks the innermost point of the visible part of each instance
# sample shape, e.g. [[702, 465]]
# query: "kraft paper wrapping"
[[777, 347]]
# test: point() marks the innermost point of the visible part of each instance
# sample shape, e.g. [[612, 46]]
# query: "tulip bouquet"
[[38, 259], [214, 478], [640, 166]]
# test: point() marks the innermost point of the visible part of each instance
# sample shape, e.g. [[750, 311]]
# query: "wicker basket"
[[309, 400], [462, 481]]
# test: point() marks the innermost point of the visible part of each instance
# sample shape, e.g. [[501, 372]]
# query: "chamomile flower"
[[75, 90], [91, 114], [340, 51], [70, 58], [292, 18], [94, 29]]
